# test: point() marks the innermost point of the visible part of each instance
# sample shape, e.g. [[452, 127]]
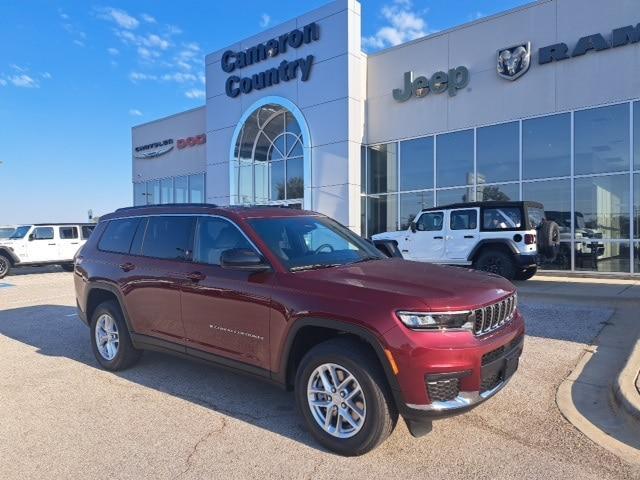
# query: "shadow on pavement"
[[242, 397]]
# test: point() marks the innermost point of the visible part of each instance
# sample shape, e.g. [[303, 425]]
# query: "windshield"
[[308, 243], [20, 232]]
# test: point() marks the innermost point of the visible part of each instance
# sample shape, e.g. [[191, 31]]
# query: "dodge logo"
[[513, 62]]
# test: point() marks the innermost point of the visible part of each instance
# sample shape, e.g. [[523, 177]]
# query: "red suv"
[[298, 299]]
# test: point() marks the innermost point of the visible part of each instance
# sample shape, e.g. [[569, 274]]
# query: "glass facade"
[[590, 187], [186, 189]]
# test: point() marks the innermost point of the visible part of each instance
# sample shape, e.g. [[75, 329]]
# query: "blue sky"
[[75, 76]]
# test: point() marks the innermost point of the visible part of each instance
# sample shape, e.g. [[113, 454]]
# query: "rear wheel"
[[527, 274], [110, 338], [5, 266], [498, 262], [342, 394]]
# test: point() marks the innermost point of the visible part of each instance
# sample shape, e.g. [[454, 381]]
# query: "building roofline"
[[167, 117], [429, 36]]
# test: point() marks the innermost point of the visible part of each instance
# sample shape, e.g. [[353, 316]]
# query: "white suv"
[[506, 238], [43, 244]]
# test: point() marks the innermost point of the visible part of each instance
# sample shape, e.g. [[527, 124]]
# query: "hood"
[[437, 287], [389, 235]]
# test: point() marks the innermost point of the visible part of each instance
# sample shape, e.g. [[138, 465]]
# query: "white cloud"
[[195, 93], [154, 40], [80, 43], [46, 75], [3, 82], [405, 24], [134, 112], [113, 51], [139, 76], [64, 16], [24, 81], [120, 18], [179, 77], [148, 18], [18, 68], [265, 20]]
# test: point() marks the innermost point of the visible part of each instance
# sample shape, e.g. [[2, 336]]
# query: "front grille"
[[490, 381], [443, 390], [497, 353], [491, 317]]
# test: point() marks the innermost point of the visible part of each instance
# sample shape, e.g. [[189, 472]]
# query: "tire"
[[379, 416], [496, 261], [67, 267], [5, 266], [527, 274], [121, 355], [549, 240]]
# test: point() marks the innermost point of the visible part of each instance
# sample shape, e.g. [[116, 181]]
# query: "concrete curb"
[[625, 391]]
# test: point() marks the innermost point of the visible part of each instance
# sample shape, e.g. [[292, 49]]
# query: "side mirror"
[[32, 237], [243, 259], [414, 227]]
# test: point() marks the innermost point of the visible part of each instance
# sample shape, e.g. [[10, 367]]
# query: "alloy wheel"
[[336, 400], [107, 337], [4, 266]]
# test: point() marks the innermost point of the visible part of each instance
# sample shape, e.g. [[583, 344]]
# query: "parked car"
[[43, 244], [6, 231], [505, 238], [295, 298]]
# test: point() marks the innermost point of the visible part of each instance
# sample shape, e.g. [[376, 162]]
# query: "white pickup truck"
[[506, 238], [43, 244]]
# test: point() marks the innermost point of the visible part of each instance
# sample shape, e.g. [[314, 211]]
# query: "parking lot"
[[62, 416]]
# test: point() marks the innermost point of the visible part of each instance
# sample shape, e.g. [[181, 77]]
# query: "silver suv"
[[506, 238]]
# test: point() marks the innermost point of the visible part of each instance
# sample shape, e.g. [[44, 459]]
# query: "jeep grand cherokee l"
[[296, 298]]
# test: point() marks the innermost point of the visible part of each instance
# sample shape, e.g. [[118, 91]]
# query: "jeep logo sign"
[[455, 80]]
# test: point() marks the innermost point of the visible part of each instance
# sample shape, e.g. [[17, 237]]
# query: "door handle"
[[51, 243], [468, 236], [196, 276], [437, 238], [127, 267]]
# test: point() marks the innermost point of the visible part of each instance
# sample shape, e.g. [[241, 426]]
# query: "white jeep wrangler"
[[506, 238], [43, 244]]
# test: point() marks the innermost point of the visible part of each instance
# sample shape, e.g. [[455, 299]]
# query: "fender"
[[11, 255], [364, 334], [111, 288], [510, 244]]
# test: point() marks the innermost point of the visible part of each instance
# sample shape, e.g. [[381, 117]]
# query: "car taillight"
[[529, 238]]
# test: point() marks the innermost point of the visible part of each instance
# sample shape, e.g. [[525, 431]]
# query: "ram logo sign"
[[513, 62]]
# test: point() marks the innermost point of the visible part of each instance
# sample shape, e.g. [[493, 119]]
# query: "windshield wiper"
[[315, 266], [368, 258]]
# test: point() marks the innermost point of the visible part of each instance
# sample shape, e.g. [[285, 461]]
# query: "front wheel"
[[110, 339], [498, 262], [5, 266], [67, 267], [342, 394]]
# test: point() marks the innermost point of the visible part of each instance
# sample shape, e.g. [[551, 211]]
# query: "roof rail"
[[165, 205]]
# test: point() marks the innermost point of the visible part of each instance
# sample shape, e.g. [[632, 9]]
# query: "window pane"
[[139, 194], [598, 256], [118, 235], [636, 206], [430, 222], [168, 237], [277, 180], [454, 195], [166, 190], [562, 260], [498, 153], [153, 192], [454, 159], [602, 139], [181, 185], [261, 174], [416, 164], [196, 188], [87, 230], [363, 169], [411, 204], [43, 233], [636, 257], [68, 233], [501, 218], [546, 147], [555, 195], [244, 175], [497, 193], [464, 220], [636, 138], [295, 178], [382, 213], [214, 236], [136, 243], [383, 168], [602, 207]]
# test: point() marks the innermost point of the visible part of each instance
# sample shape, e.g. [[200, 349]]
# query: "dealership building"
[[535, 103]]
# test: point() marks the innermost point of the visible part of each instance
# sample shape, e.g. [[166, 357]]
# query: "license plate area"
[[500, 369]]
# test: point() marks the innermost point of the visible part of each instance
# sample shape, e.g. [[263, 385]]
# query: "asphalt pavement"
[[63, 417]]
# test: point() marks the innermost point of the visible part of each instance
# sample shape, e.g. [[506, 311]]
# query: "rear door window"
[[501, 218], [118, 235], [87, 230], [169, 237], [464, 220], [68, 233]]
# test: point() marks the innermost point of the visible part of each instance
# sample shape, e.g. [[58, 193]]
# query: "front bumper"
[[525, 260]]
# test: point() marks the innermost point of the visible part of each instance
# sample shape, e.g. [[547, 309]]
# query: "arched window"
[[268, 158]]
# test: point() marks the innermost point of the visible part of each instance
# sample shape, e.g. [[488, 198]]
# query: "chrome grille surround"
[[492, 317]]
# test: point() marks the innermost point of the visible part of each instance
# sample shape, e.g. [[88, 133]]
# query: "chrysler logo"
[[153, 150], [513, 62]]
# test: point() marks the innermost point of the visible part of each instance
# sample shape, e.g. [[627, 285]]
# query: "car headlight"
[[438, 321]]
